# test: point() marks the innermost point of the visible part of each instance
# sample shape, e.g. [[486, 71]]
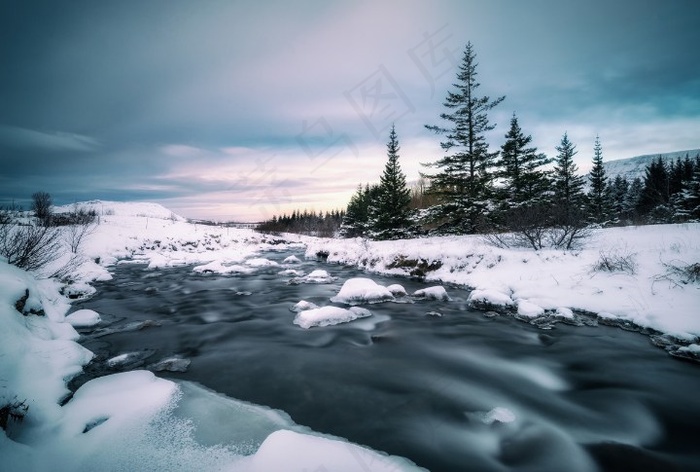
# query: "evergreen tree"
[[524, 181], [568, 186], [631, 203], [689, 201], [618, 194], [463, 181], [654, 201], [357, 216], [599, 205], [390, 214]]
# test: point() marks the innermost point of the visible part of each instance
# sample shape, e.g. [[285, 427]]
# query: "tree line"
[[515, 190]]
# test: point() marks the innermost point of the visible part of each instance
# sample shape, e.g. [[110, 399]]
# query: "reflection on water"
[[460, 391]]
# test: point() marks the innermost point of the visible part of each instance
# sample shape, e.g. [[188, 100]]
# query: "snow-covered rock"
[[328, 316], [291, 260], [489, 299], [529, 309], [433, 293], [361, 290], [83, 318], [303, 305], [397, 290]]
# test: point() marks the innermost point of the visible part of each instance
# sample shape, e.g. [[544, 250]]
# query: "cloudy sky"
[[237, 110]]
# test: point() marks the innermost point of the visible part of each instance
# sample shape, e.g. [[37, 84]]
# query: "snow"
[[303, 305], [433, 293], [135, 420], [329, 316], [361, 290], [397, 290], [291, 260], [553, 280], [83, 318]]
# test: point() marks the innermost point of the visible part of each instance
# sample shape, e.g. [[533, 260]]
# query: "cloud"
[[22, 138]]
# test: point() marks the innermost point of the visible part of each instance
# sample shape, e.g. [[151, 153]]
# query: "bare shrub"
[[75, 234], [29, 247], [680, 273], [41, 206], [612, 261]]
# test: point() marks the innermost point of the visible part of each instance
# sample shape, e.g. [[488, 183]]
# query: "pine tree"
[[654, 201], [390, 214], [524, 181], [689, 200], [357, 216], [599, 205], [463, 182], [568, 186], [618, 194]]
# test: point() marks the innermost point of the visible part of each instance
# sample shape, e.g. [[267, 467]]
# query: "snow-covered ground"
[[136, 421], [647, 291]]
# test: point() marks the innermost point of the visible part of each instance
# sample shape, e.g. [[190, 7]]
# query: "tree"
[[524, 181], [653, 203], [463, 181], [568, 186], [41, 206], [390, 213], [617, 192], [599, 204], [357, 216], [689, 200]]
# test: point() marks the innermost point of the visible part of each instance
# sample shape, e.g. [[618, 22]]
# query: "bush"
[[41, 206], [29, 247], [616, 262]]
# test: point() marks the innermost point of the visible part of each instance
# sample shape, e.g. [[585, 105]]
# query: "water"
[[460, 391]]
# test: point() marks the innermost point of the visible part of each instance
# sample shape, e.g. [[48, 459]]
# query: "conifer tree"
[[524, 181], [689, 201], [463, 178], [390, 214], [618, 194], [654, 201], [599, 205], [568, 186], [357, 216]]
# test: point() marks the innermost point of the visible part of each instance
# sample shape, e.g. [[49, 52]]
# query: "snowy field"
[[136, 421]]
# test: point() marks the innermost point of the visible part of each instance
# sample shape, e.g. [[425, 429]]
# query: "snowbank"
[[654, 296]]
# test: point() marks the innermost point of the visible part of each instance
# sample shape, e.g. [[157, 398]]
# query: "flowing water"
[[460, 391]]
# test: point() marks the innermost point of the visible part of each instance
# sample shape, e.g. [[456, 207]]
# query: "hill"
[[634, 166]]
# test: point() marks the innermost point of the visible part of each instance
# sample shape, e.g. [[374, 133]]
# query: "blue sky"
[[240, 110]]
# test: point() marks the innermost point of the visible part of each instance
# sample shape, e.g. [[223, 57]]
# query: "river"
[[433, 381]]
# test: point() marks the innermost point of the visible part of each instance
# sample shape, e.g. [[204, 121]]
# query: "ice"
[[433, 293], [291, 260], [361, 290], [83, 318], [328, 316]]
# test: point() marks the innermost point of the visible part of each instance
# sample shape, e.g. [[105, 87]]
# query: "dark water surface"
[[455, 392]]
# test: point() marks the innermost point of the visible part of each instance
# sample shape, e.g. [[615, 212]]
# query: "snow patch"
[[328, 316], [433, 293]]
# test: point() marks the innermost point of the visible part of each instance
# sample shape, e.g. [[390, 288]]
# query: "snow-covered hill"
[[111, 208], [635, 166]]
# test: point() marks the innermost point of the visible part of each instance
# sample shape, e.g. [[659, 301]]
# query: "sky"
[[238, 110]]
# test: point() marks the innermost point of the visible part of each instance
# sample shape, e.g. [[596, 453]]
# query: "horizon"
[[241, 112]]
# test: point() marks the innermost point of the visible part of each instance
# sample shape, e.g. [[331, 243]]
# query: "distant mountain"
[[635, 166]]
